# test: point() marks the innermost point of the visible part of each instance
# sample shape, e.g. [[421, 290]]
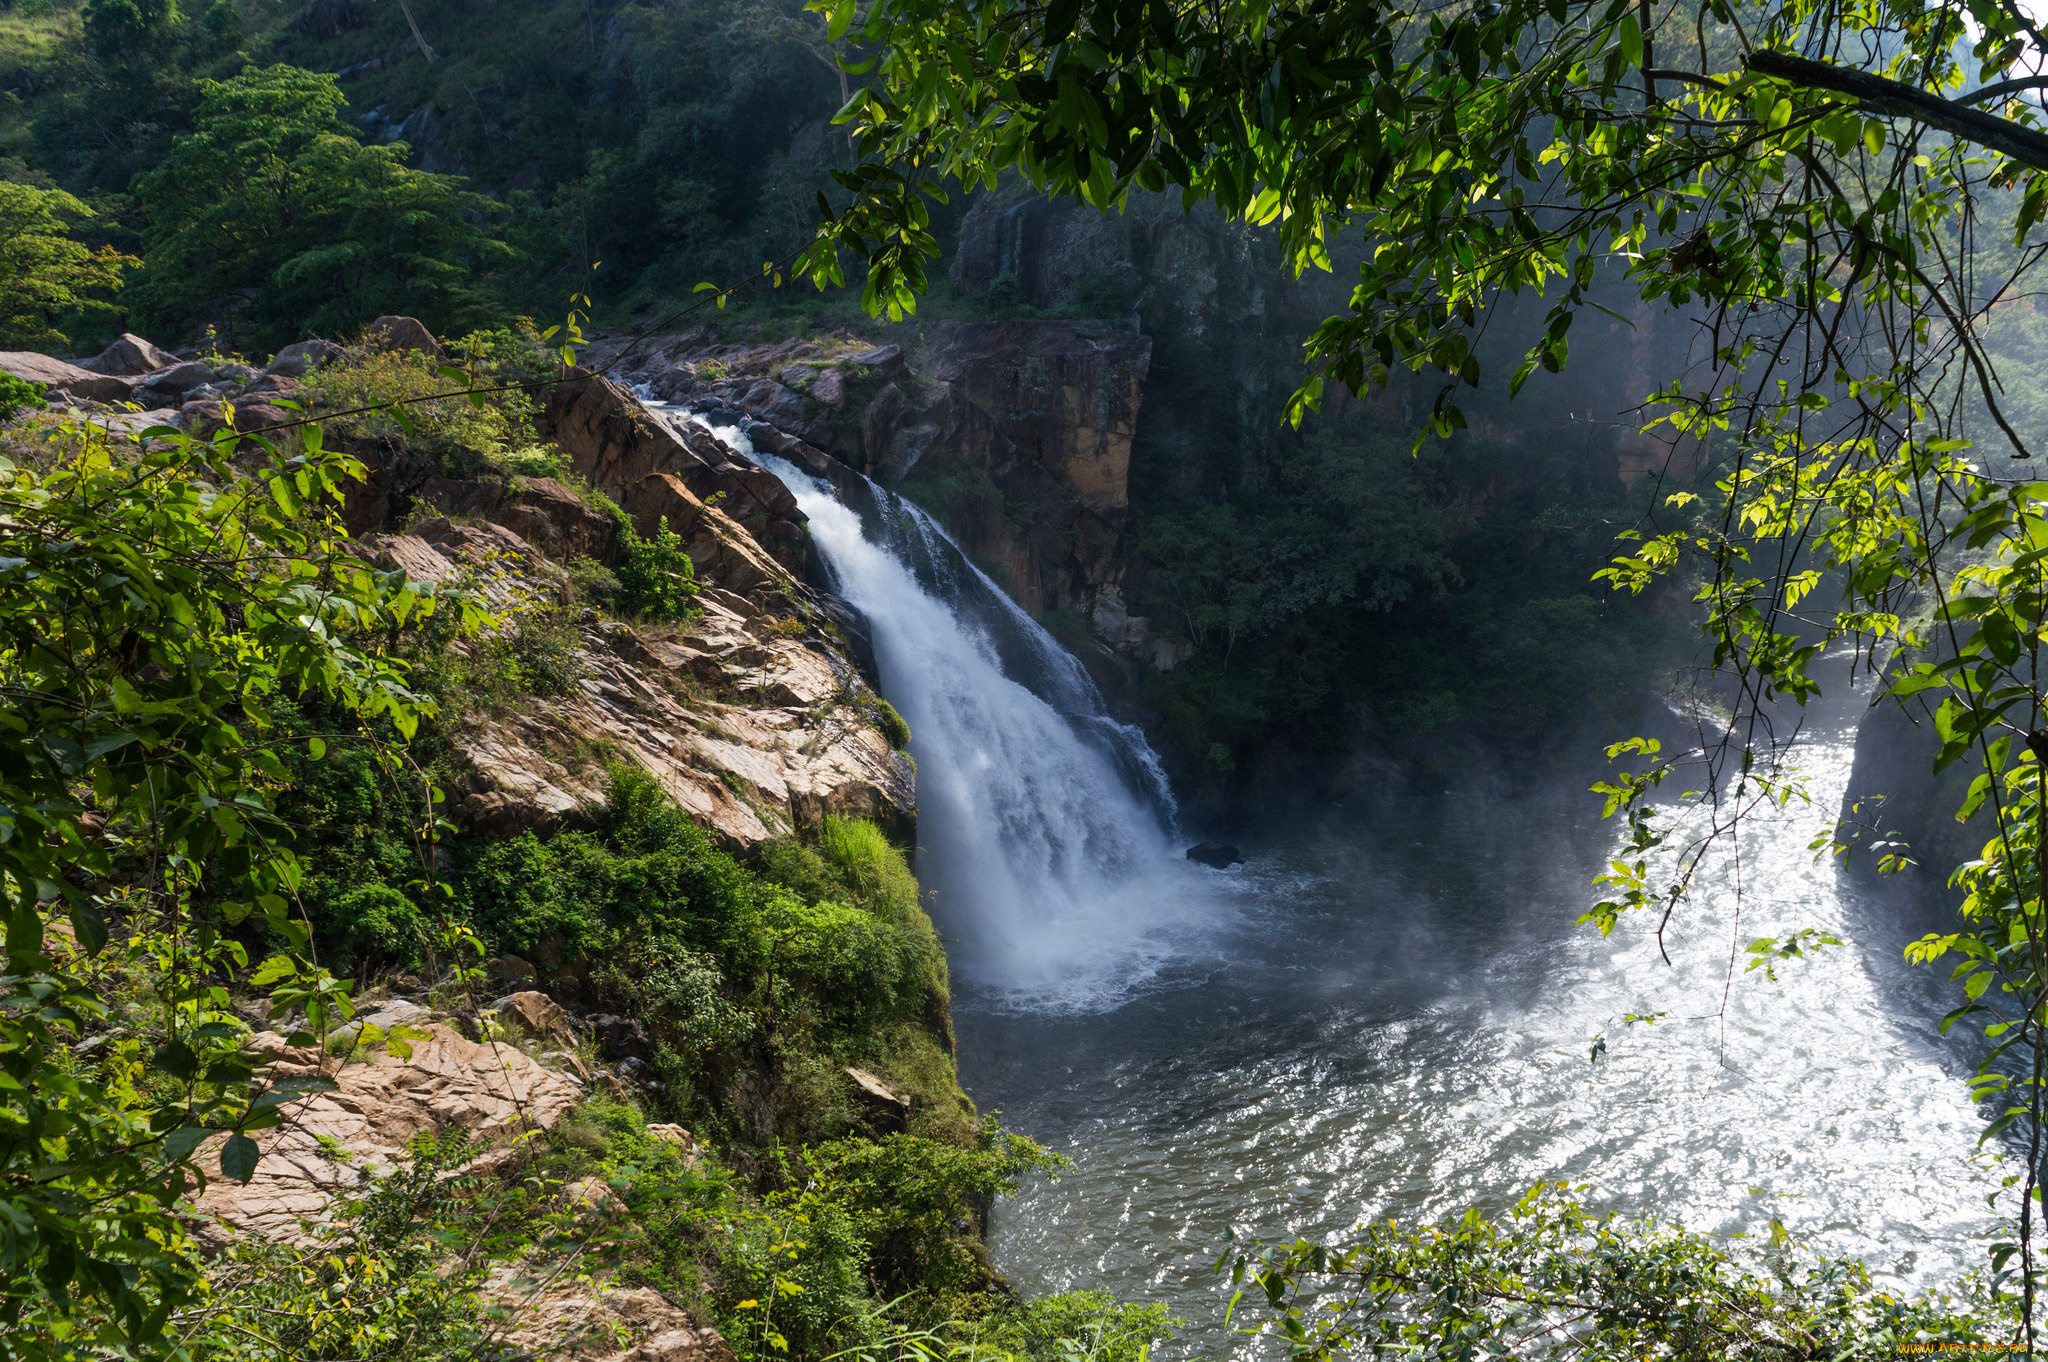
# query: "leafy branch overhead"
[[1504, 148]]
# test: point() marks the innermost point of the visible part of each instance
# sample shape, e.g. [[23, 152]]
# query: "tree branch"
[[1896, 99]]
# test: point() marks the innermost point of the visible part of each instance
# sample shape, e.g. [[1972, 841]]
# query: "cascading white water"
[[1043, 823]]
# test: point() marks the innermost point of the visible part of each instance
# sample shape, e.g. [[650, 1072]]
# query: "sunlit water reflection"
[[1397, 1022]]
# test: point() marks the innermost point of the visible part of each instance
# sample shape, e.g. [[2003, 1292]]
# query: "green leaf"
[[238, 1158]]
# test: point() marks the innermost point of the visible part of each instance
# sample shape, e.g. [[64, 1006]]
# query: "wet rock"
[[1220, 855]]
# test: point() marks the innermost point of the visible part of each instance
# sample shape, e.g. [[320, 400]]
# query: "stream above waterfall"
[[1390, 1010]]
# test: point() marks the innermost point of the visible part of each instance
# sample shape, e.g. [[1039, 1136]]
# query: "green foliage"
[[18, 395], [1091, 1325], [47, 276], [380, 924], [378, 1281], [1552, 1280], [270, 220], [917, 1203], [656, 579], [871, 872], [155, 627], [893, 725], [461, 435]]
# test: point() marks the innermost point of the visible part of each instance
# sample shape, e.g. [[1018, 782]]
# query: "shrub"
[[917, 1204], [873, 872], [593, 582], [19, 395], [461, 437], [657, 580], [379, 923], [1087, 1324]]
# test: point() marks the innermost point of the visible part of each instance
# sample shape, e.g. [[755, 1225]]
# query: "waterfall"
[[1044, 825]]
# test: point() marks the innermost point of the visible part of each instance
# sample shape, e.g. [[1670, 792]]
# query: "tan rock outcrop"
[[753, 721], [60, 376], [583, 1323], [449, 1083], [618, 443]]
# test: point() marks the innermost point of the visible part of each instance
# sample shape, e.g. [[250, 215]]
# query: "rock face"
[[624, 448], [752, 720], [1020, 432], [490, 1090]]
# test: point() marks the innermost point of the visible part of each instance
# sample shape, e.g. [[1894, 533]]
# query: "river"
[[1389, 1011], [1396, 1019]]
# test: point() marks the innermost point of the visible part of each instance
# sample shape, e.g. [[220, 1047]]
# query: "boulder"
[[510, 969], [251, 416], [385, 1017], [1220, 855], [128, 356], [172, 384], [403, 334], [202, 418], [301, 357], [622, 1038], [887, 1108], [59, 376], [537, 1015]]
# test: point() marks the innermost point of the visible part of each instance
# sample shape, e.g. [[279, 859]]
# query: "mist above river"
[[1400, 1024]]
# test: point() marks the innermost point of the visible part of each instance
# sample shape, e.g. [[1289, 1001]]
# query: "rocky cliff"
[[1020, 432]]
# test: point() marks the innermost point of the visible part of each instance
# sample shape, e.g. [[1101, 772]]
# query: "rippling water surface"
[[1390, 1014]]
